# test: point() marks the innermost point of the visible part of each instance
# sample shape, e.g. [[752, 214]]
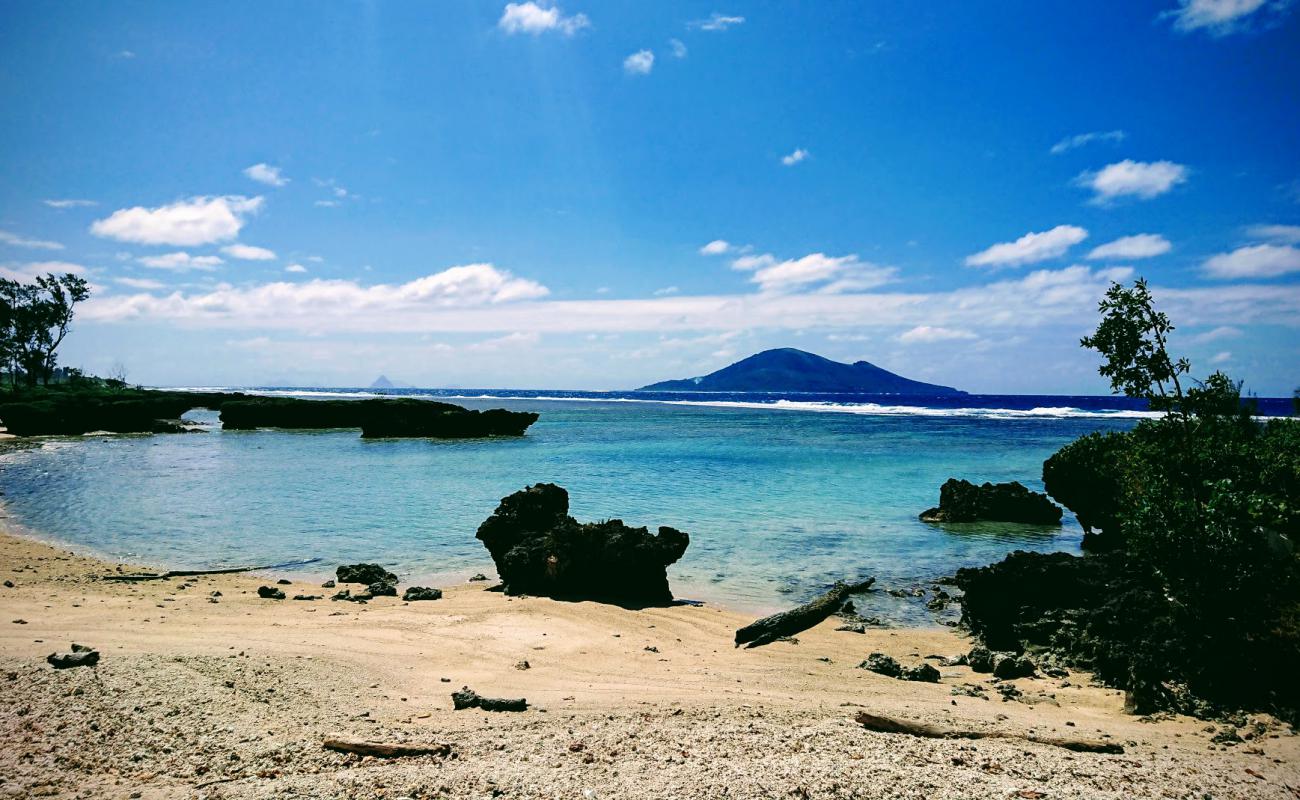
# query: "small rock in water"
[[364, 573], [478, 576], [421, 593], [270, 593], [881, 664]]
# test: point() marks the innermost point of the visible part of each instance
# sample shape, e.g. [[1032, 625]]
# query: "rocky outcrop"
[[468, 698], [540, 550], [81, 656], [387, 417], [963, 501]]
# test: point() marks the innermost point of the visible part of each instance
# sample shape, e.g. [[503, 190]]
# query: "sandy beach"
[[233, 698]]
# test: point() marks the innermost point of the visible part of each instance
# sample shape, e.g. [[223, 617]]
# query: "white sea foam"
[[822, 407]]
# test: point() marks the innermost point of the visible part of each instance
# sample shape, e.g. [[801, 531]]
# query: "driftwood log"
[[788, 623], [189, 573], [385, 750], [875, 722]]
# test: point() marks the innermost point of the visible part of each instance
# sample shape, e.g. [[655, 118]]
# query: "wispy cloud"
[[667, 290], [1254, 261], [1129, 178], [677, 47], [69, 203], [798, 155], [639, 63], [1216, 334], [828, 274], [535, 19], [247, 252], [144, 284], [1030, 248], [1081, 139], [716, 22], [14, 240], [715, 248], [267, 174], [1223, 17], [185, 223], [296, 268], [27, 272], [1279, 234], [928, 334], [1140, 245], [182, 262]]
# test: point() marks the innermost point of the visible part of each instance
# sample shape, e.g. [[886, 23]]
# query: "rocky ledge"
[[540, 550], [963, 501]]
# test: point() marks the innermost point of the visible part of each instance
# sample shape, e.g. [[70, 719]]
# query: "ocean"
[[781, 494]]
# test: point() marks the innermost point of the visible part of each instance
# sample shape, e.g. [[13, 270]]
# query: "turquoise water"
[[778, 502]]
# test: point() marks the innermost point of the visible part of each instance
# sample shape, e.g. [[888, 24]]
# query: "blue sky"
[[601, 195]]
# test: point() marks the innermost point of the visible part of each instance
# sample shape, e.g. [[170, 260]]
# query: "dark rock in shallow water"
[[364, 573], [882, 664], [81, 656], [963, 501], [540, 550], [468, 698], [476, 577], [269, 593], [421, 593]]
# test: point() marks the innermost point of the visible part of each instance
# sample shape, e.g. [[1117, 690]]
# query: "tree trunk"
[[788, 623]]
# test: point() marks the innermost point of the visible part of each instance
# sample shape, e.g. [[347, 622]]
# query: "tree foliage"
[[1200, 506], [35, 318]]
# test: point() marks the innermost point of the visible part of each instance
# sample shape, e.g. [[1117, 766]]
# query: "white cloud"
[[27, 272], [298, 268], [1215, 334], [926, 334], [1081, 139], [516, 339], [15, 240], [326, 204], [247, 252], [537, 19], [1140, 245], [265, 173], [1279, 234], [748, 263], [1219, 358], [1030, 248], [1063, 300], [69, 203], [798, 155], [1222, 17], [837, 275], [1129, 178], [182, 262], [185, 223], [715, 248], [678, 48], [1254, 261], [667, 290], [716, 22], [145, 284], [639, 63]]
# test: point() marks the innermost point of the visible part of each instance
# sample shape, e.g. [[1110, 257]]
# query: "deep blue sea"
[[781, 494]]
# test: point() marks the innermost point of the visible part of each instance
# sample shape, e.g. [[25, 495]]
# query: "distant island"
[[382, 382], [789, 370]]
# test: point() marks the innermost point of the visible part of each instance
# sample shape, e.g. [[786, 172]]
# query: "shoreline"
[[623, 703]]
